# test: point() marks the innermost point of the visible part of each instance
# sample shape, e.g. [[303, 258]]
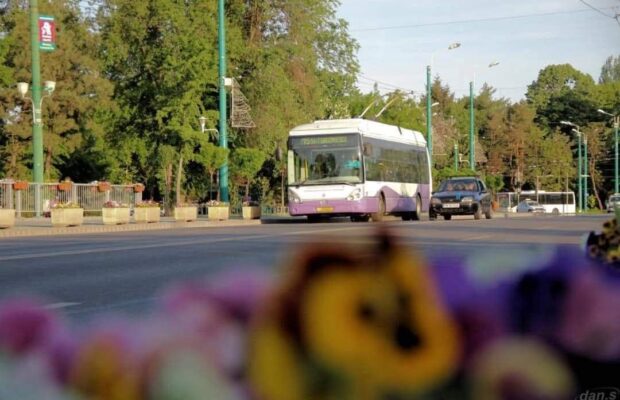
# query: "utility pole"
[[429, 115], [456, 156], [222, 98], [585, 174], [37, 124], [472, 149]]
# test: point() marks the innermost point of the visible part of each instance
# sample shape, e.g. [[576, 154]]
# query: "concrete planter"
[[187, 214], [7, 217], [146, 214], [67, 217], [250, 212], [218, 213], [115, 216]]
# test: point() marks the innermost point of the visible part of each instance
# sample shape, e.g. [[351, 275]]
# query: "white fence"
[[36, 199]]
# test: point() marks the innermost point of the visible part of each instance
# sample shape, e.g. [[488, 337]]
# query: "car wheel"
[[378, 216], [432, 216], [478, 213], [489, 213], [447, 217]]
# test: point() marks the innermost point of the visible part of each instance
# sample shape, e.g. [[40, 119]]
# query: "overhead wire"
[[472, 20]]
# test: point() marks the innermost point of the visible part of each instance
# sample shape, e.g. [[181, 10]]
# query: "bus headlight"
[[435, 201], [355, 195], [292, 197]]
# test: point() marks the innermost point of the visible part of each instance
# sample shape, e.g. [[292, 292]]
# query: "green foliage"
[[244, 165], [447, 172]]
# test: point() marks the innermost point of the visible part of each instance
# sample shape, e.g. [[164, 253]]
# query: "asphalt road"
[[87, 275]]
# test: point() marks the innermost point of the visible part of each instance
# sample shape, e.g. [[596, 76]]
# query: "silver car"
[[614, 201], [530, 206]]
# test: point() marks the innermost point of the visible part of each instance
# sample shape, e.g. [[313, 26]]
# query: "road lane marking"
[[173, 244], [55, 306]]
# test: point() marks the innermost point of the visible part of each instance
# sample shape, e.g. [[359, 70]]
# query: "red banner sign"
[[47, 33]]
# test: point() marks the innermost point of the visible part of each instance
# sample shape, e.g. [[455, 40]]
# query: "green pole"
[[585, 174], [429, 115], [579, 171], [456, 156], [616, 123], [37, 125], [472, 148], [221, 77]]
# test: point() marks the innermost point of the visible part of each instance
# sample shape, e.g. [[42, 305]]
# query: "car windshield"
[[614, 199], [458, 185]]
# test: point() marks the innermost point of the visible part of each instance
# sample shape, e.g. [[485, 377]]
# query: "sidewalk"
[[43, 226]]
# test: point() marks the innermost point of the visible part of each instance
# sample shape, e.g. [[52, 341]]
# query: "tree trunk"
[[592, 163], [179, 197]]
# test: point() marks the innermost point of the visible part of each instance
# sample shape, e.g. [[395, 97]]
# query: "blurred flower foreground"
[[343, 322]]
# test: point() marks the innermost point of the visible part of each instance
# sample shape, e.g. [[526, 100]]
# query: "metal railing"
[[37, 199]]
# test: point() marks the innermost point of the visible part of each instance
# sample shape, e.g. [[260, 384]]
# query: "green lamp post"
[[616, 121], [223, 139], [576, 131]]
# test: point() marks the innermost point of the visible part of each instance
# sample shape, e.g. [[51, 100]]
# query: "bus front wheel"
[[378, 216]]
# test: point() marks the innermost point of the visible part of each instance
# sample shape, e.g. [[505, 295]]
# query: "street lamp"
[[472, 144], [579, 175], [429, 117], [203, 128], [37, 124], [616, 120]]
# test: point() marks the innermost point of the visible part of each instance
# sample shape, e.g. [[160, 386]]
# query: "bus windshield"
[[318, 160]]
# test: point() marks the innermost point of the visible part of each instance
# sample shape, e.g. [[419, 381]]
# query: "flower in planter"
[[114, 204], [67, 204], [216, 203], [138, 188], [65, 186], [20, 185], [147, 204], [103, 187], [248, 202]]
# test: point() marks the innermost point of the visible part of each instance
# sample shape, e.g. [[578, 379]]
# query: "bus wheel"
[[406, 217], [314, 219], [418, 209], [378, 216], [360, 218], [555, 211]]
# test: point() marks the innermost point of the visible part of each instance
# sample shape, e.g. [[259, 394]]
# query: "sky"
[[398, 39]]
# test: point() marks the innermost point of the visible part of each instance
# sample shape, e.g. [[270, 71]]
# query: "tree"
[[245, 164], [610, 71], [561, 93], [162, 59], [212, 157], [74, 115]]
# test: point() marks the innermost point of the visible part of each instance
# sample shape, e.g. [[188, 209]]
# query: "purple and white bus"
[[357, 168]]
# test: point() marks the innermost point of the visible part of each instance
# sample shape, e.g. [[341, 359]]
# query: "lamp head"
[[568, 123], [455, 45], [49, 86], [604, 112], [22, 88], [493, 64], [435, 104], [203, 122]]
